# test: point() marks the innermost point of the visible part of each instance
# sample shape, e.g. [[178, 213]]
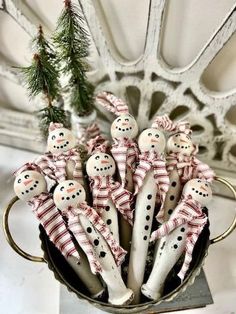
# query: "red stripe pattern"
[[85, 134], [125, 152], [105, 188], [152, 161], [53, 223], [83, 209], [54, 165], [165, 123], [112, 103], [189, 167], [188, 212]]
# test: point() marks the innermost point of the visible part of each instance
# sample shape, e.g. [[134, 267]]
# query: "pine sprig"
[[71, 40], [52, 114], [41, 77]]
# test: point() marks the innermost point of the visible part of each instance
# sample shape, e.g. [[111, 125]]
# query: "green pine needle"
[[52, 114], [71, 40]]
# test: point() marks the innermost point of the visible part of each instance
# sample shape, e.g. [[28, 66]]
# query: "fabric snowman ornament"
[[31, 187], [181, 233], [94, 236], [62, 161], [108, 195], [123, 131], [151, 185]]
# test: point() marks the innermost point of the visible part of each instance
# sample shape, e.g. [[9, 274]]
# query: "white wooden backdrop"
[[175, 57]]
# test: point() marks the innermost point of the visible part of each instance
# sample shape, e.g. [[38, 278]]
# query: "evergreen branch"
[[71, 41], [52, 114]]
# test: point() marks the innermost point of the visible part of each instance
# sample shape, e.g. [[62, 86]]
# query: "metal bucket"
[[65, 274]]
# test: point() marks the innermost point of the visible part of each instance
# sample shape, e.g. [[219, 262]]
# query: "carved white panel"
[[152, 86]]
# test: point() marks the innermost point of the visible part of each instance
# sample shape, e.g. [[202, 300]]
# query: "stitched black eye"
[[118, 120], [127, 120], [106, 156], [97, 157], [19, 181], [53, 137], [61, 134], [206, 184], [149, 134], [188, 137], [62, 188], [26, 176], [199, 181], [70, 184], [157, 135]]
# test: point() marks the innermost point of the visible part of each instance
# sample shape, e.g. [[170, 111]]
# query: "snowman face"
[[124, 126], [200, 191], [29, 184], [180, 143], [100, 164], [68, 193], [152, 140], [60, 140]]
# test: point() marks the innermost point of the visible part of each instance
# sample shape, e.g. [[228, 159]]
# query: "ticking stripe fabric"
[[189, 167], [84, 134], [105, 188], [53, 223], [165, 123], [125, 152], [112, 103], [83, 209], [152, 161], [54, 165], [188, 213]]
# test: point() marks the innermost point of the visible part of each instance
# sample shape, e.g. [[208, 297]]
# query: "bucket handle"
[[9, 237], [231, 228], [33, 258]]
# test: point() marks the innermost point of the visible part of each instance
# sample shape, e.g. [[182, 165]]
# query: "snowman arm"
[[167, 227]]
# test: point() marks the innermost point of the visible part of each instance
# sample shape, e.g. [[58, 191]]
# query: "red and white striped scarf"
[[152, 160], [53, 223], [99, 224], [165, 123], [188, 212], [54, 165], [125, 152], [84, 134], [188, 167], [105, 188]]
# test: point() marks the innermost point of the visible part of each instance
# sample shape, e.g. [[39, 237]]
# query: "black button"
[[170, 211], [89, 230], [145, 238], [182, 229], [96, 242], [148, 207], [179, 238], [146, 227], [175, 246], [172, 197], [147, 217], [149, 196], [107, 208], [103, 254], [108, 221], [173, 183]]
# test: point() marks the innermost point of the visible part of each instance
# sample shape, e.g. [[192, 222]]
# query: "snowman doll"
[[151, 185], [180, 233], [95, 238], [108, 195], [30, 186], [182, 164], [124, 150], [62, 160]]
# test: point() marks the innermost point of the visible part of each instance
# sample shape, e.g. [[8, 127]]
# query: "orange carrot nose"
[[105, 162], [70, 190], [27, 182], [124, 123], [183, 141], [59, 141], [153, 141], [202, 188]]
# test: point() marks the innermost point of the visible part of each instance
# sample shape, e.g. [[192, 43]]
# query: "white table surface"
[[30, 288]]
